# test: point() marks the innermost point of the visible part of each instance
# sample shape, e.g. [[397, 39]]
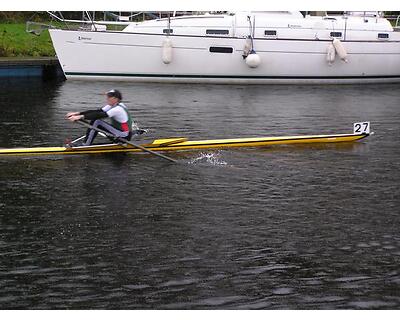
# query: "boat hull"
[[138, 57], [162, 145]]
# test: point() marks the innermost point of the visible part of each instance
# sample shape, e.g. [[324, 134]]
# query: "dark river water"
[[311, 227]]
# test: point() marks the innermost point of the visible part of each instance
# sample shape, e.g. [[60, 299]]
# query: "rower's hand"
[[70, 114], [75, 117]]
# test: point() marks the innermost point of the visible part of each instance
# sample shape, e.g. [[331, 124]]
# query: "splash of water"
[[209, 158]]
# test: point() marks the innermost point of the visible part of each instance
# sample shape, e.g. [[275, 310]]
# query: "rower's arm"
[[94, 114]]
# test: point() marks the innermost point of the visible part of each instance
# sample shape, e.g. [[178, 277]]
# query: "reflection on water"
[[282, 227]]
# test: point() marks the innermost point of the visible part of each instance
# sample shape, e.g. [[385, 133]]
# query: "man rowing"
[[121, 121]]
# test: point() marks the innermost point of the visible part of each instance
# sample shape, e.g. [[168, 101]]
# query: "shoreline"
[[41, 67], [28, 60]]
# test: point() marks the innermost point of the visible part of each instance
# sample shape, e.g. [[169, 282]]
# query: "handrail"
[[88, 22], [394, 20]]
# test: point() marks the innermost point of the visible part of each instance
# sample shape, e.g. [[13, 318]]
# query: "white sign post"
[[361, 127]]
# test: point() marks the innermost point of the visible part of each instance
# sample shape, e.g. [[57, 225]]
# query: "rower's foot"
[[80, 142], [74, 144], [69, 145]]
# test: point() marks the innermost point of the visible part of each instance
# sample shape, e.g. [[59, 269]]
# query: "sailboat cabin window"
[[217, 31], [221, 49], [335, 34], [270, 33], [383, 36], [168, 31]]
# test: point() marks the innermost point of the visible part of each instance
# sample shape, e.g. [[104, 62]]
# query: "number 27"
[[358, 127]]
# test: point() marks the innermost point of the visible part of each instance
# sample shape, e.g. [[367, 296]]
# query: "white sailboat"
[[242, 47]]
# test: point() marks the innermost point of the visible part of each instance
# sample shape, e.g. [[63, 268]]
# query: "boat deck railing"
[[397, 24], [120, 21], [395, 21]]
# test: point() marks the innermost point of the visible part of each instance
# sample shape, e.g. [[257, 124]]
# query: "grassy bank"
[[16, 42]]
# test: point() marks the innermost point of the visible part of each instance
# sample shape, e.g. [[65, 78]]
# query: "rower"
[[121, 121]]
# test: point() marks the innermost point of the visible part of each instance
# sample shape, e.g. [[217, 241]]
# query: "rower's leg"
[[115, 132], [91, 133], [106, 127], [88, 130]]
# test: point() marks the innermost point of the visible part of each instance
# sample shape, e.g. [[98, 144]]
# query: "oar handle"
[[108, 134]]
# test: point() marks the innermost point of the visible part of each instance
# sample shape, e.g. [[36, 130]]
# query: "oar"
[[108, 134]]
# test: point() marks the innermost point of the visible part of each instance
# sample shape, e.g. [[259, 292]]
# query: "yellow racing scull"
[[181, 144]]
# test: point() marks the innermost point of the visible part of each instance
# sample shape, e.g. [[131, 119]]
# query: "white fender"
[[340, 49], [253, 60], [167, 51], [330, 54]]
